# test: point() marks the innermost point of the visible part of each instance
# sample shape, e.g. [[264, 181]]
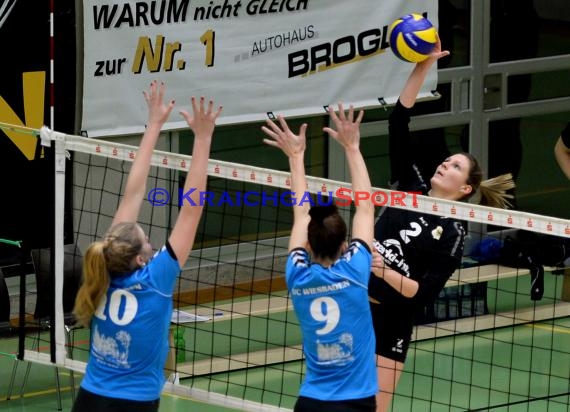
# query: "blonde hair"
[[114, 255], [493, 192]]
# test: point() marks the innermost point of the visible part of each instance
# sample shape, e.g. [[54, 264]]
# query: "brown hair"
[[115, 255], [326, 232], [493, 191]]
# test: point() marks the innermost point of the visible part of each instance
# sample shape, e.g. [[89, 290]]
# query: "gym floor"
[[495, 369]]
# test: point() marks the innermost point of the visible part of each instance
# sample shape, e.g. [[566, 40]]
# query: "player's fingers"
[[332, 113], [194, 104], [283, 123], [161, 88], [218, 111], [350, 113], [270, 132], [271, 142], [271, 126], [341, 113], [210, 108], [329, 130], [170, 105], [186, 116]]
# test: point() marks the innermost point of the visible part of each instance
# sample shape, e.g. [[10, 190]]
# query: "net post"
[[60, 155], [24, 252]]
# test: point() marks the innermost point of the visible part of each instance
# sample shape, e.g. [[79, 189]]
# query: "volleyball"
[[412, 37]]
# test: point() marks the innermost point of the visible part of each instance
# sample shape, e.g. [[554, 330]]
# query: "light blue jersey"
[[333, 310], [129, 332]]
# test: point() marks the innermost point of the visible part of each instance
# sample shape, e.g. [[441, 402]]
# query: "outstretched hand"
[[203, 121], [377, 260], [283, 138], [378, 265], [158, 111], [347, 131], [409, 93], [436, 54]]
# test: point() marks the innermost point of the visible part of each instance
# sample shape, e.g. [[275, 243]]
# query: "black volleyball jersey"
[[424, 247]]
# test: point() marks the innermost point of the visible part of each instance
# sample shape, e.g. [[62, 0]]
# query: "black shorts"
[[89, 402], [305, 404], [393, 330]]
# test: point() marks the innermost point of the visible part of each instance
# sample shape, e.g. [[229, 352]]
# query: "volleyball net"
[[497, 335]]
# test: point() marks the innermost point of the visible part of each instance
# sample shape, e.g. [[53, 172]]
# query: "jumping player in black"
[[417, 252]]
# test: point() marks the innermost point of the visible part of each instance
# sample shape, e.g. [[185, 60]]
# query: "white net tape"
[[509, 219]]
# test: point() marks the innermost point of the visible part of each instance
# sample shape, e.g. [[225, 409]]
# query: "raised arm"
[[405, 286], [202, 123], [416, 79], [562, 151], [293, 145], [158, 112], [403, 154], [347, 133]]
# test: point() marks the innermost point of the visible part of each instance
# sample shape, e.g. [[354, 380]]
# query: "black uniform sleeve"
[[565, 135], [403, 171]]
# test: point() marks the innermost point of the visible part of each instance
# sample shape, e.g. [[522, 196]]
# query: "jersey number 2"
[[407, 233]]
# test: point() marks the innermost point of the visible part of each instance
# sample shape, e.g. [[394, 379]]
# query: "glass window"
[[553, 27], [455, 32], [541, 186], [524, 29], [514, 30], [538, 86]]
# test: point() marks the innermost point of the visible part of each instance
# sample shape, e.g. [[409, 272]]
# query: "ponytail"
[[494, 191], [95, 283], [116, 255]]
